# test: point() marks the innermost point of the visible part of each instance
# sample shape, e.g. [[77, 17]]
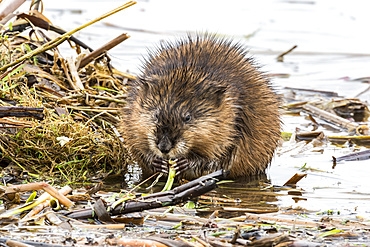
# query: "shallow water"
[[333, 49]]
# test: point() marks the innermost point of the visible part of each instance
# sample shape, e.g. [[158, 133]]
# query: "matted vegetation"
[[73, 134]]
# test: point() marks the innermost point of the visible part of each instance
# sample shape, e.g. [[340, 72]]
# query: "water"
[[333, 49]]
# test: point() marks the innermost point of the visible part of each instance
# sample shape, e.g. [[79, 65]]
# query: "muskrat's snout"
[[165, 140], [164, 144]]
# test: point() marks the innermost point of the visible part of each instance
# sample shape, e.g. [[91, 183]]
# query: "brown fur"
[[234, 122]]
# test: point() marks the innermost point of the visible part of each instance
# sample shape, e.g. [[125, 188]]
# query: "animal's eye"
[[187, 117]]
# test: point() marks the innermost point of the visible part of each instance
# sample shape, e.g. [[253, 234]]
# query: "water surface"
[[333, 50]]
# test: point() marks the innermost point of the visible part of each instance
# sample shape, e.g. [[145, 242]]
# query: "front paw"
[[181, 165], [160, 165]]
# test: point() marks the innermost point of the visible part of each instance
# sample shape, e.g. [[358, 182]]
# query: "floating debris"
[[362, 155]]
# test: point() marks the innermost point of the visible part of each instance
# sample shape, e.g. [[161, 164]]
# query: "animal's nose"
[[165, 145]]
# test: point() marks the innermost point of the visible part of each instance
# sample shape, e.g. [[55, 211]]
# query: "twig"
[[135, 242], [362, 155], [77, 83], [217, 175], [111, 99], [47, 26], [175, 196], [201, 241], [19, 111], [277, 219], [361, 93], [8, 6], [280, 58], [17, 243], [63, 191], [26, 243], [59, 40], [330, 117], [9, 71], [93, 55], [51, 191], [236, 235], [15, 123], [95, 109], [105, 226], [117, 72]]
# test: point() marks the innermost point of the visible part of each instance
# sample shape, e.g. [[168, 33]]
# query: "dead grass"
[[81, 106]]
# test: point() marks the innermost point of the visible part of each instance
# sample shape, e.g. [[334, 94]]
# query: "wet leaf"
[[31, 197], [329, 233]]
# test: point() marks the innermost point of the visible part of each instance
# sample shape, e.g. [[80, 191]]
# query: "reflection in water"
[[254, 195]]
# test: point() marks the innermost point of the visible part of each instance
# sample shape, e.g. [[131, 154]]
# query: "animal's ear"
[[145, 80], [144, 83], [220, 90], [218, 94]]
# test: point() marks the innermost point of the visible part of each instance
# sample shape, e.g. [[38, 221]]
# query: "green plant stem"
[[170, 179]]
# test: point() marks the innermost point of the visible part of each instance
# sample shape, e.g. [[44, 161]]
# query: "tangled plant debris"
[[78, 102]]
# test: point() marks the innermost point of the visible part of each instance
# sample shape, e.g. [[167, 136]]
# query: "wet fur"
[[234, 122]]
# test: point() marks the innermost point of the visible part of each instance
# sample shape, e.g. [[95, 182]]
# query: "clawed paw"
[[161, 165], [181, 165]]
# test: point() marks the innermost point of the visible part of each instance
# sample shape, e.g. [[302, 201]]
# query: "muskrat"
[[203, 101]]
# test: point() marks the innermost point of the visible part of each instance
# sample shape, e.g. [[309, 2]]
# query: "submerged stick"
[[55, 42]]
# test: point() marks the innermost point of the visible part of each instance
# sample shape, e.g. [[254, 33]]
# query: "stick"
[[15, 123], [20, 111], [93, 55], [105, 226], [63, 191], [362, 155], [217, 175], [59, 40], [8, 6], [50, 191], [277, 219], [280, 58], [47, 26], [175, 196], [332, 118], [361, 93], [294, 180], [134, 242], [4, 240]]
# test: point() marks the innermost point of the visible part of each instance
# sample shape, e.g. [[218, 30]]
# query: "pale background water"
[[333, 48]]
